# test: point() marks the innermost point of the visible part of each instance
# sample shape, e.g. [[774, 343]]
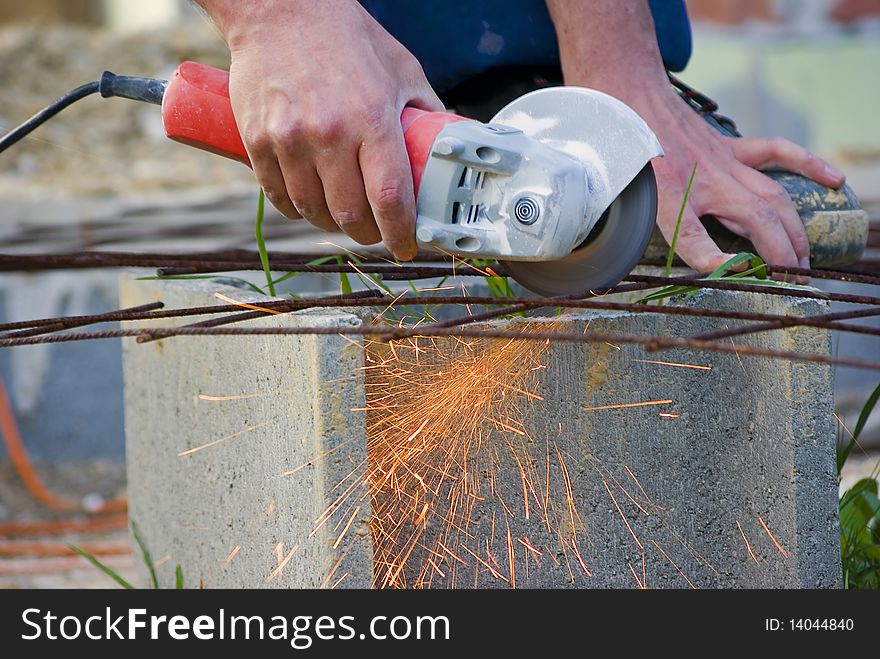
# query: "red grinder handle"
[[196, 111]]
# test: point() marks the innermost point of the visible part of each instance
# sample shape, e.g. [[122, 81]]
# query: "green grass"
[[261, 242], [670, 255], [145, 556], [755, 273], [860, 515], [110, 572]]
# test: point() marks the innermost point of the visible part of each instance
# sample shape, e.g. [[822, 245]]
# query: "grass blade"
[[145, 553], [843, 454], [670, 255], [261, 243], [178, 578], [110, 572]]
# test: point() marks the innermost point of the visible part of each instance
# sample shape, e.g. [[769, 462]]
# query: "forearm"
[[607, 44], [238, 20]]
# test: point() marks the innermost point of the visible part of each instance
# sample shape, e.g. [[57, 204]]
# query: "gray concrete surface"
[[225, 511], [619, 497]]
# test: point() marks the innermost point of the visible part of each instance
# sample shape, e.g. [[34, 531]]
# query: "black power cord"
[[149, 90]]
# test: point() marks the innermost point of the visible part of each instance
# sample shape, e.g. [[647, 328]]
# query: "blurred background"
[[102, 176]]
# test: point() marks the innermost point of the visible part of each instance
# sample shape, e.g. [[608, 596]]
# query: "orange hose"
[[61, 549], [19, 566], [59, 527], [23, 466]]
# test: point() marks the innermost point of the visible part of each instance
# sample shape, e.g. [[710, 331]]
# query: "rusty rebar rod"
[[650, 343], [381, 299], [64, 322], [240, 259]]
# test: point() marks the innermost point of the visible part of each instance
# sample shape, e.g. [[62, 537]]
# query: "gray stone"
[[293, 413], [741, 458]]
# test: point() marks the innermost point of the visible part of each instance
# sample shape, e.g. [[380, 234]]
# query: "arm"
[[611, 46], [317, 89]]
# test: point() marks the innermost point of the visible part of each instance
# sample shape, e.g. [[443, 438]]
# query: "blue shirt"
[[457, 39]]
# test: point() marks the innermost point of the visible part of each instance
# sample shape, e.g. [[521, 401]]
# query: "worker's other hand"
[[317, 89], [729, 183], [612, 46]]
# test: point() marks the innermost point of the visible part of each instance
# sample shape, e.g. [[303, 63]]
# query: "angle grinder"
[[558, 186]]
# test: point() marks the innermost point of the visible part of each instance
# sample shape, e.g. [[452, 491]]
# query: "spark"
[[282, 563], [748, 546], [491, 569], [625, 405], [577, 553], [527, 394], [668, 415], [238, 303], [697, 367], [465, 263], [735, 352], [437, 288], [511, 558], [622, 516], [525, 543], [674, 564], [778, 546], [629, 496], [843, 425], [639, 582], [366, 279], [436, 568], [418, 430], [382, 313], [339, 581], [362, 257], [438, 415], [190, 451], [320, 456], [452, 553], [466, 305], [347, 526], [506, 427], [232, 554]]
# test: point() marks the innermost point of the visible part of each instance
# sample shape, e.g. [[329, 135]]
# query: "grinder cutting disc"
[[616, 146], [609, 253]]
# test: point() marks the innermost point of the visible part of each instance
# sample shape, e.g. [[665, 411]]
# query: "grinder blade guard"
[[558, 186]]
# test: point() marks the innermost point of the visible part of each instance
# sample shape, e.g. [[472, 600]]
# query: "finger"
[[268, 173], [693, 244], [347, 200], [388, 184], [752, 216], [306, 191], [775, 195], [765, 153]]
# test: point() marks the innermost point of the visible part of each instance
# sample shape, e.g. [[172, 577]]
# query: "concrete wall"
[[205, 475], [696, 491]]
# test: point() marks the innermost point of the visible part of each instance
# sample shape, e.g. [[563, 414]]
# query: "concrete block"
[[490, 463], [212, 426]]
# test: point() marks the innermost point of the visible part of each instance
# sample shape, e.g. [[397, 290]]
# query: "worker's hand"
[[317, 89], [728, 184], [612, 46]]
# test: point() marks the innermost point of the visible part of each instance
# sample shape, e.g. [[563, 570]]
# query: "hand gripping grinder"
[[558, 186]]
